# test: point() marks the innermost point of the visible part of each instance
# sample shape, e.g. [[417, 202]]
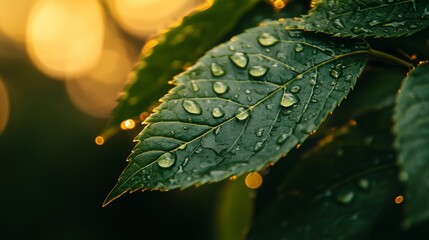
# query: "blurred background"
[[62, 66]]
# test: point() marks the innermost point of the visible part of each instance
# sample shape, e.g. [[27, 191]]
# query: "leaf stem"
[[390, 58]]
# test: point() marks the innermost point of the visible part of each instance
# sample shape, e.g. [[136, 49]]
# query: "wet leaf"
[[167, 54], [367, 18], [341, 189], [411, 116], [242, 106]]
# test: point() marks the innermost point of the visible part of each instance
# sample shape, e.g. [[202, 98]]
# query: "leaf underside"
[[158, 65], [411, 115], [339, 190], [227, 118], [365, 18]]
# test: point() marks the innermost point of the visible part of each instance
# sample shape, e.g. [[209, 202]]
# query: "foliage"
[[248, 102]]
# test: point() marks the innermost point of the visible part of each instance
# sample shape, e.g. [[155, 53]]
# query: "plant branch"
[[390, 58]]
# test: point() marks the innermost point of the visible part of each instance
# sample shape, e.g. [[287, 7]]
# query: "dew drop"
[[338, 24], [217, 70], [282, 138], [334, 73], [258, 146], [194, 86], [183, 146], [345, 198], [217, 112], [295, 89], [166, 160], [242, 114], [266, 39], [258, 71], [239, 59], [217, 131], [288, 100], [358, 30], [394, 24], [299, 47], [364, 184], [247, 91], [260, 132], [191, 107], [220, 87], [231, 47], [313, 82]]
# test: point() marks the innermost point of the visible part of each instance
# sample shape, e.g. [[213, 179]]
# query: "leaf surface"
[[340, 190], [365, 18], [412, 119], [166, 55], [241, 107]]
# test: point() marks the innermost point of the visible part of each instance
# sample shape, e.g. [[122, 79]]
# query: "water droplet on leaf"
[[258, 71], [345, 198], [166, 160], [220, 87], [194, 86], [364, 184], [338, 24], [258, 146], [191, 107], [242, 113], [217, 70], [299, 47], [217, 112], [288, 100], [266, 39], [239, 59], [295, 89], [282, 138]]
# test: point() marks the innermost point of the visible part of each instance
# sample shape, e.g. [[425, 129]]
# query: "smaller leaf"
[[368, 18], [339, 190], [411, 128]]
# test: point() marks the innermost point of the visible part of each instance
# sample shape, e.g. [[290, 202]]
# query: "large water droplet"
[[194, 86], [239, 59], [258, 146], [220, 87], [288, 100], [258, 71], [217, 70], [266, 39], [166, 160], [295, 89], [242, 113], [282, 138], [191, 107], [217, 112], [299, 47], [345, 198], [338, 24]]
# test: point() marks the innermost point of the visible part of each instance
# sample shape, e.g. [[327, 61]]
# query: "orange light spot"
[[413, 57], [144, 115], [399, 199], [352, 122], [298, 146], [280, 4], [128, 124], [99, 140], [253, 180], [147, 48], [232, 178]]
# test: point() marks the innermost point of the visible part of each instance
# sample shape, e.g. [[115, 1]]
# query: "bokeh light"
[[144, 17], [65, 38], [128, 124], [13, 18], [399, 199], [4, 106], [253, 180]]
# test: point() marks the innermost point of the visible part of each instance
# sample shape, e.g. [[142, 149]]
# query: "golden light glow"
[[278, 4], [99, 140], [232, 178], [352, 122], [143, 17], [399, 199], [4, 107], [143, 116], [65, 38], [253, 180], [128, 124], [13, 18]]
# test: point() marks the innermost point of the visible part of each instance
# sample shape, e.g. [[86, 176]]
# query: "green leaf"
[[365, 18], [242, 106], [235, 211], [166, 55], [340, 189], [412, 117]]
